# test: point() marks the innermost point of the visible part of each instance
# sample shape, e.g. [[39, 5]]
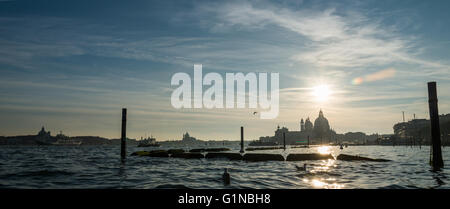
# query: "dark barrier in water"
[[188, 155], [263, 157], [140, 153], [262, 148], [358, 158], [302, 146], [217, 149], [209, 150], [308, 156], [229, 156], [173, 151], [197, 150], [252, 157], [159, 153], [154, 153]]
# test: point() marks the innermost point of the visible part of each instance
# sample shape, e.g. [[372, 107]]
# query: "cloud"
[[304, 45], [336, 39]]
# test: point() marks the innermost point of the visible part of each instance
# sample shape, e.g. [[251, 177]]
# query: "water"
[[100, 167]]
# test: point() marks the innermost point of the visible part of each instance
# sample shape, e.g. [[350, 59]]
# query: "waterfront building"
[[418, 131], [187, 138], [44, 137], [43, 133], [320, 132]]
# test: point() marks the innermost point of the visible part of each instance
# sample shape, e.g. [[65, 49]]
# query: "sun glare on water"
[[324, 150]]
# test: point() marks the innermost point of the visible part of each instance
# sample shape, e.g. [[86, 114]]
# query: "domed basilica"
[[318, 133]]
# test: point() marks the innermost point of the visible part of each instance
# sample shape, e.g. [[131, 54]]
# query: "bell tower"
[[302, 125]]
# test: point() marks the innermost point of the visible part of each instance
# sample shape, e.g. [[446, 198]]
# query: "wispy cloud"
[[337, 39], [81, 66]]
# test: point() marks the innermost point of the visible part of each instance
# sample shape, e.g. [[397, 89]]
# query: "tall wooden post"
[[436, 153], [242, 139], [123, 144], [308, 140], [284, 140]]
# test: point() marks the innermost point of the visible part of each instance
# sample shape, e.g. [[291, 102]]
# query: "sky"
[[72, 65]]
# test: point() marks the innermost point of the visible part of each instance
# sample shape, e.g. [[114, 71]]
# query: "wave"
[[393, 186], [171, 186], [46, 173]]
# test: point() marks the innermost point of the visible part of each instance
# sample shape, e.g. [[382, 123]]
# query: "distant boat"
[[66, 142], [63, 140], [149, 142]]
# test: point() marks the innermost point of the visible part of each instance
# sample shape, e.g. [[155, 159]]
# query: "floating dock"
[[224, 155], [251, 157], [308, 156], [358, 158]]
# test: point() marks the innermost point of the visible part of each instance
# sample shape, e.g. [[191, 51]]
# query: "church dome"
[[321, 125], [308, 125]]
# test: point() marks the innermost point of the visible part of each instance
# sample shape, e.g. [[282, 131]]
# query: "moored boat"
[[149, 142], [63, 140]]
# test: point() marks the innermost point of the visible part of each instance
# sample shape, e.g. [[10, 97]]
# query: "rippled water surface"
[[100, 167]]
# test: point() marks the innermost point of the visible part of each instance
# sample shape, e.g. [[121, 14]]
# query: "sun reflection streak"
[[323, 169], [324, 150], [323, 166], [316, 183]]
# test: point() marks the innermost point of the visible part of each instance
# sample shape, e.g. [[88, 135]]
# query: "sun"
[[322, 93]]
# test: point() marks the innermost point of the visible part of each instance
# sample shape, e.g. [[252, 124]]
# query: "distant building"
[[302, 125], [320, 132], [419, 131], [321, 127], [44, 137], [187, 138], [308, 125], [43, 133]]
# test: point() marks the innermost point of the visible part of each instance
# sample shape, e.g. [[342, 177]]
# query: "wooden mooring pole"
[[284, 140], [436, 152], [242, 139], [123, 144]]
